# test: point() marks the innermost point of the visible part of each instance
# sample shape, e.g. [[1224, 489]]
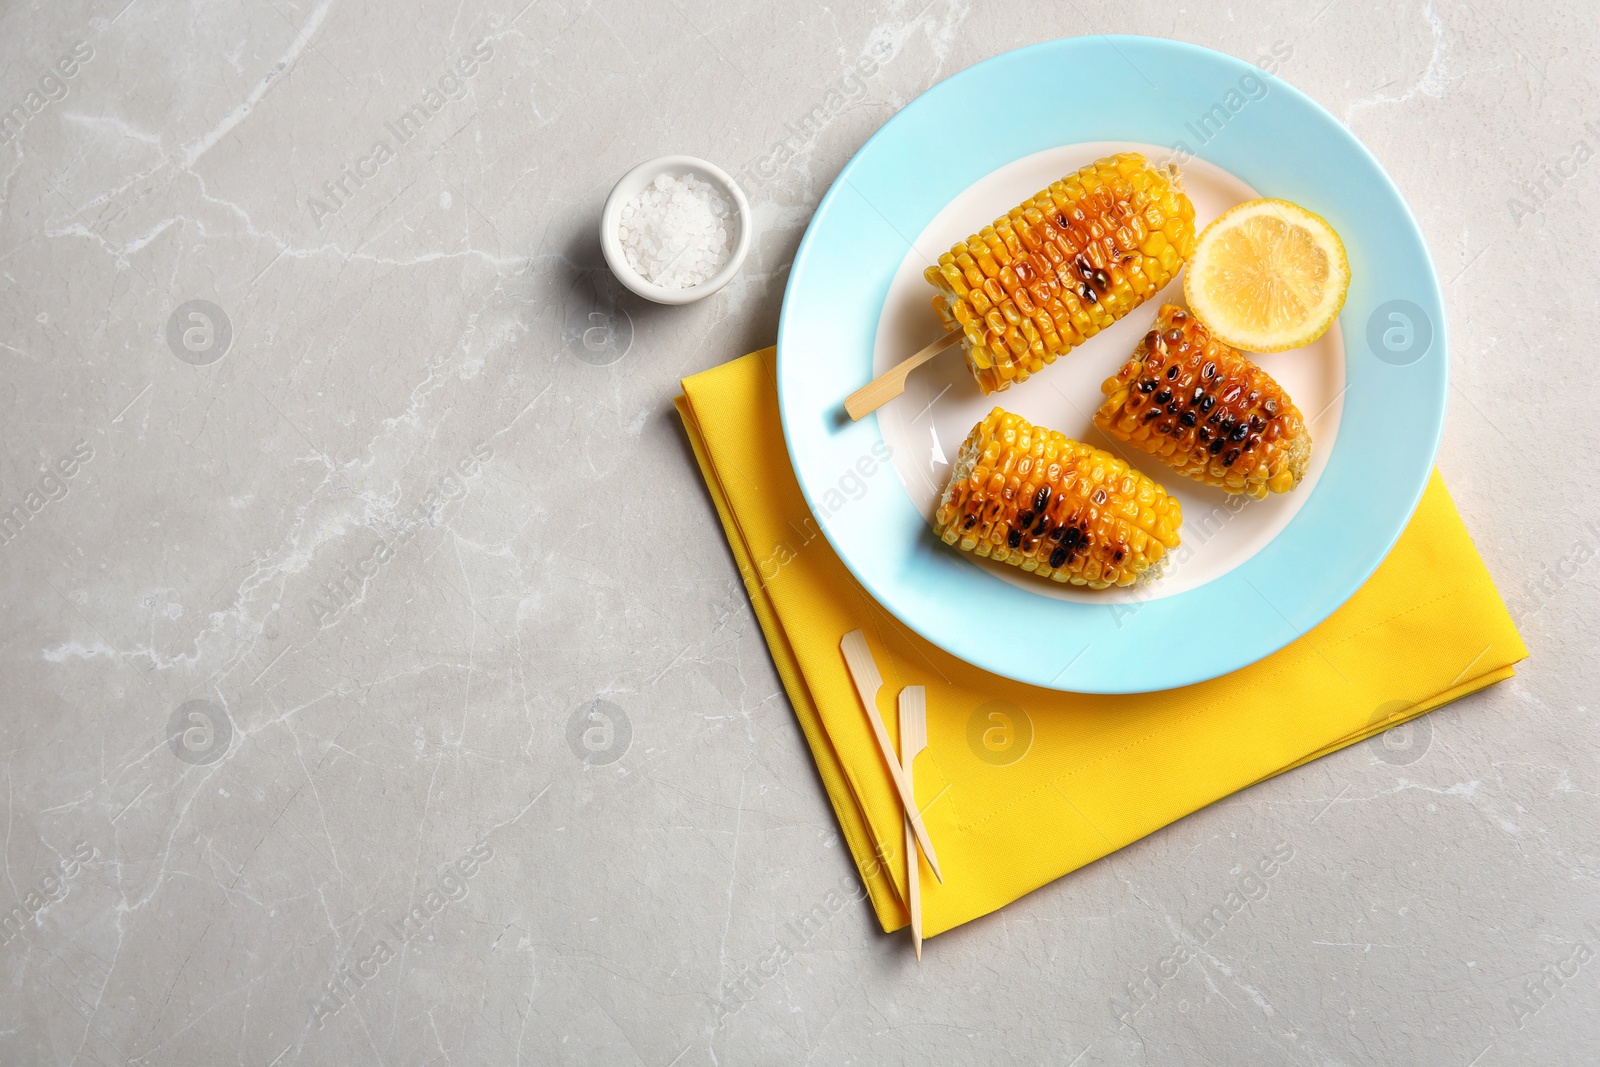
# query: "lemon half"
[[1267, 275]]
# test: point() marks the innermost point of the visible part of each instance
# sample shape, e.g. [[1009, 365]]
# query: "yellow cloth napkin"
[[1022, 785]]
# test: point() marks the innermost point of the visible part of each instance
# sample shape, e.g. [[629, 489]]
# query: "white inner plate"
[[942, 402]]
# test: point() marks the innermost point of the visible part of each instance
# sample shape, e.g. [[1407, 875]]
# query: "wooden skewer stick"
[[864, 673], [892, 382], [913, 739]]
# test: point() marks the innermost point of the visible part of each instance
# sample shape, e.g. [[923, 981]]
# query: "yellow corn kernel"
[[1081, 254], [1206, 410], [1056, 507]]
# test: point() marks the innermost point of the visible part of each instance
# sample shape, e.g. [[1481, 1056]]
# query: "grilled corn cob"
[[1034, 498], [1063, 266], [1206, 411]]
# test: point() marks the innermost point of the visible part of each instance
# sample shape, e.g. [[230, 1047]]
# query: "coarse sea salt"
[[675, 232]]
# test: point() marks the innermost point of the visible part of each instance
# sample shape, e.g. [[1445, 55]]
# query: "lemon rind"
[[1326, 313]]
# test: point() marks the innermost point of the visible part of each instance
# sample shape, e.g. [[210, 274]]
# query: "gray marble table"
[[349, 484]]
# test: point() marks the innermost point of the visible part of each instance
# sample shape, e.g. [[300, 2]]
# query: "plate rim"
[[1355, 341]]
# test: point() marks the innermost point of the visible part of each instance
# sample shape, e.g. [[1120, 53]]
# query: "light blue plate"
[[1115, 89]]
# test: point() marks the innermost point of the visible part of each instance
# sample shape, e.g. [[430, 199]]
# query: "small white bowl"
[[631, 185]]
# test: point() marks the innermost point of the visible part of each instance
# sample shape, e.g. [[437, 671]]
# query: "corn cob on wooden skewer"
[[1063, 266], [1206, 411], [1067, 511]]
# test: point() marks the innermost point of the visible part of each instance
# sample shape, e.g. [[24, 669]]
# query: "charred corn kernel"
[[1070, 262], [1036, 499], [1206, 411]]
